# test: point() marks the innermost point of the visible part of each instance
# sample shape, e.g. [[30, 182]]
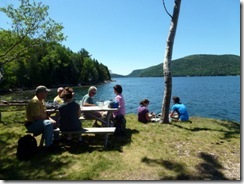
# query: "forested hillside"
[[51, 64], [196, 65], [31, 52]]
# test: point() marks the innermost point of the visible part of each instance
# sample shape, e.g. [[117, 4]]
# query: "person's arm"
[[79, 112], [174, 115], [148, 117], [88, 102], [37, 111], [39, 114], [171, 114]]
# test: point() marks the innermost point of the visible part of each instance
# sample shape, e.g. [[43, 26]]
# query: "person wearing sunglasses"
[[87, 100]]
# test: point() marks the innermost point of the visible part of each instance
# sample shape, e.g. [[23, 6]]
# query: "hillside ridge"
[[193, 65]]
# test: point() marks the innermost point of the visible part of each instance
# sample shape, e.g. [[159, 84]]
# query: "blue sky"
[[126, 35]]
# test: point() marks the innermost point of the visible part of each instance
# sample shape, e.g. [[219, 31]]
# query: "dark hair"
[[67, 93], [176, 99], [145, 101], [118, 88]]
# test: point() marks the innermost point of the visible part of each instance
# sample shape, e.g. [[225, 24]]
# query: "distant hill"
[[113, 75], [195, 65]]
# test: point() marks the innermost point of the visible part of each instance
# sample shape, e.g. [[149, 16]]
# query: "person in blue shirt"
[[178, 111]]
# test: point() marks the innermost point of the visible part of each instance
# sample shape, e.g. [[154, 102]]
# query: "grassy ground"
[[206, 149]]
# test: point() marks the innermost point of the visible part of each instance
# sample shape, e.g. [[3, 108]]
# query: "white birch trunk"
[[167, 64]]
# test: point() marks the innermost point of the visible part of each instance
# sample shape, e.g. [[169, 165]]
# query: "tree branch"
[[167, 10]]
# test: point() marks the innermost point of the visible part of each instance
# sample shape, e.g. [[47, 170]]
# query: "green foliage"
[[195, 65], [30, 53], [52, 64], [29, 23]]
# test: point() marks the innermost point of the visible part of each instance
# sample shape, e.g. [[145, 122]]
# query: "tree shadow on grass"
[[117, 142], [44, 163], [95, 142], [208, 169], [232, 132], [40, 167]]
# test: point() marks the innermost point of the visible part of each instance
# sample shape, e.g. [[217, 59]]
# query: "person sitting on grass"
[[179, 111], [143, 113], [69, 113]]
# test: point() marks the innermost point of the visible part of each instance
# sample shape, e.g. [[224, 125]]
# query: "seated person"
[[58, 100], [38, 122], [87, 100], [143, 113], [179, 111], [69, 112], [119, 115]]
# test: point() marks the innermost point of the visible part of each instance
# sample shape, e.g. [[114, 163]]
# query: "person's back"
[[182, 111], [69, 112], [69, 119]]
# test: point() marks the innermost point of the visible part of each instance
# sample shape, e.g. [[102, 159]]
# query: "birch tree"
[[167, 62]]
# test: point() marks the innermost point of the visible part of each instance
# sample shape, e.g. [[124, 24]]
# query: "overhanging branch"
[[167, 10]]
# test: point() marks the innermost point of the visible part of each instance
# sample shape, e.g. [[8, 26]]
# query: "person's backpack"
[[27, 147]]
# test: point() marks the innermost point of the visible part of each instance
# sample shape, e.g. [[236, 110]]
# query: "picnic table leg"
[[108, 118], [106, 140], [97, 118]]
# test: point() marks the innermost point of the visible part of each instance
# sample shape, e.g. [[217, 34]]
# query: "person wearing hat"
[[38, 122]]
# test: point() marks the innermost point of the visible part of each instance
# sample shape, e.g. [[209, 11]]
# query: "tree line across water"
[[194, 65], [52, 64], [31, 53]]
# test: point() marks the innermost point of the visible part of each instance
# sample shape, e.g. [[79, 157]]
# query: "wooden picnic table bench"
[[93, 130]]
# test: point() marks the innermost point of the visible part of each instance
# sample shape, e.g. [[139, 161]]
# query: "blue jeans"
[[44, 127]]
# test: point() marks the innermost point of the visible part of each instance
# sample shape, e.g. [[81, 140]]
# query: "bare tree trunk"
[[167, 64]]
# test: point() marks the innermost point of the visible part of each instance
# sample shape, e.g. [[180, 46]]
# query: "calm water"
[[212, 97]]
